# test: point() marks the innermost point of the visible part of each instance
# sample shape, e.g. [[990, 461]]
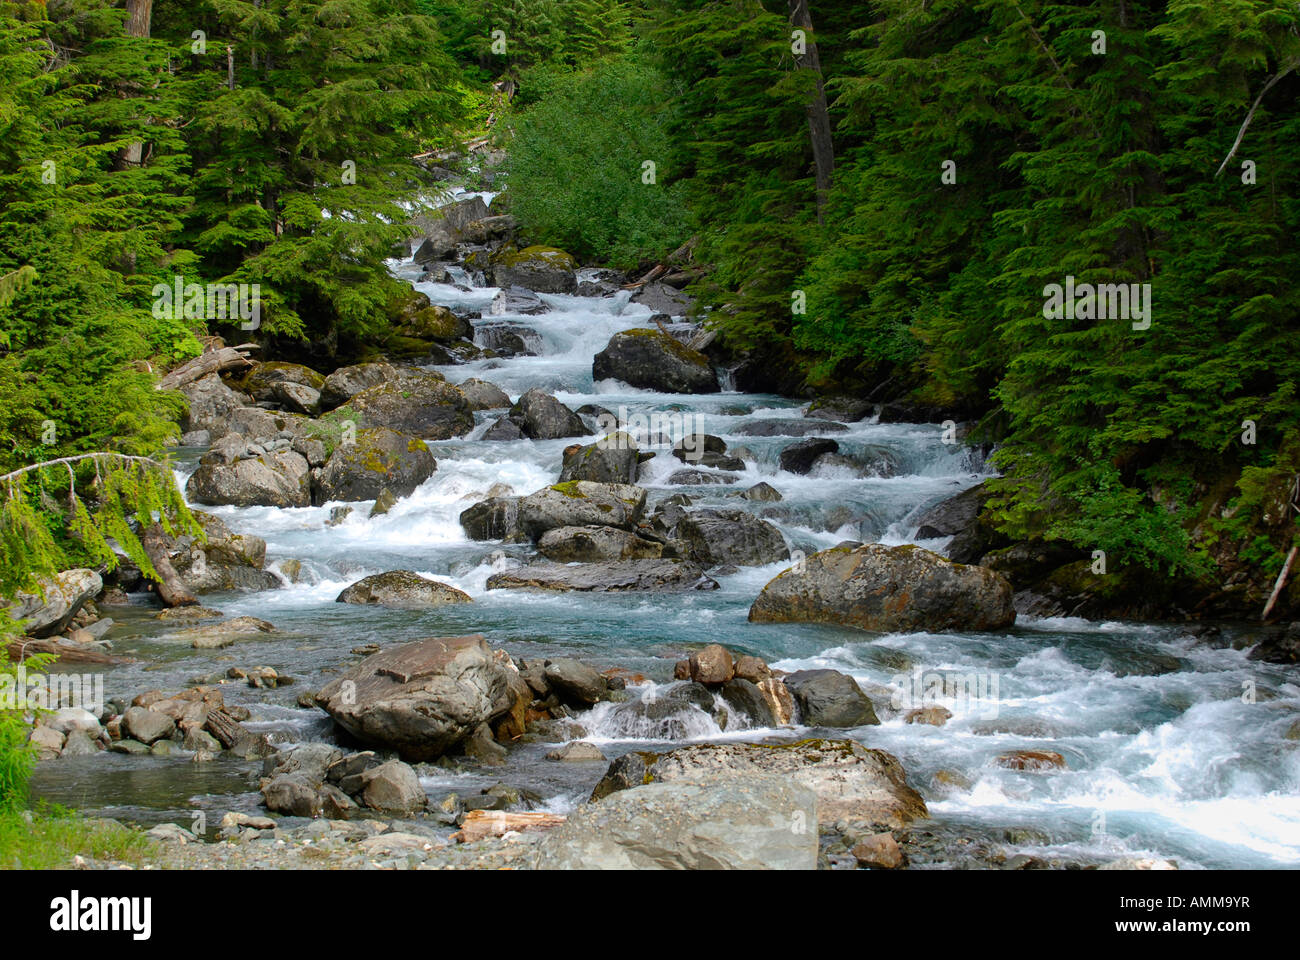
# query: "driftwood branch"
[[1251, 116], [213, 361]]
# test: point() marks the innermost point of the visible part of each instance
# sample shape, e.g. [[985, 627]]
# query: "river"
[[1167, 755]]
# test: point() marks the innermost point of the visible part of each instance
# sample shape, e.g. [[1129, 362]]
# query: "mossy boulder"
[[418, 404], [376, 460], [581, 504], [654, 360], [541, 269], [887, 589]]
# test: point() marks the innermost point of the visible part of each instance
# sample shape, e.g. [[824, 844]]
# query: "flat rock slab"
[[750, 822], [614, 576], [851, 782]]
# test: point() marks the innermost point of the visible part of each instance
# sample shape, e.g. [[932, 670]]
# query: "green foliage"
[[17, 756], [49, 837], [575, 166]]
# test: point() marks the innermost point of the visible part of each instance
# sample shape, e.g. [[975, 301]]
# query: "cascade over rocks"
[[887, 589], [605, 577]]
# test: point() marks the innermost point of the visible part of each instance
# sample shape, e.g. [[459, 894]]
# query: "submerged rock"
[[402, 588], [612, 576], [881, 588]]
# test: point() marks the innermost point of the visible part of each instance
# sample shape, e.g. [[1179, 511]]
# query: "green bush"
[[575, 166]]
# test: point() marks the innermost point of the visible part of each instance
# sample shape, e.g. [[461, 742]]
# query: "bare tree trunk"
[[139, 16], [819, 120], [171, 588]]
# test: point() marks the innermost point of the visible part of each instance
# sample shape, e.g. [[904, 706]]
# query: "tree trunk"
[[171, 588], [139, 16], [819, 119]]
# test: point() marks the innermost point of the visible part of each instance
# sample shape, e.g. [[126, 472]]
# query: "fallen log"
[[653, 274], [66, 652], [481, 824], [171, 588], [213, 361]]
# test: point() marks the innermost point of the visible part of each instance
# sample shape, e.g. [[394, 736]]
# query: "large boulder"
[[609, 577], [787, 428], [421, 698], [875, 587], [377, 459], [263, 382], [422, 405], [828, 698], [280, 478], [740, 823], [496, 518], [346, 382], [731, 536], [851, 782], [49, 608], [576, 682], [654, 360], [223, 561], [959, 517], [593, 544], [442, 229], [418, 317], [402, 588], [543, 269], [706, 450], [800, 457], [483, 395], [211, 404], [540, 416], [663, 299], [393, 788], [611, 459], [581, 503]]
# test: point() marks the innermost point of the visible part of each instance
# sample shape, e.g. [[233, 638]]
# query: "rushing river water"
[[1165, 756]]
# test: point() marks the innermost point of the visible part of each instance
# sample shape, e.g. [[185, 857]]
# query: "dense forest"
[[875, 201]]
